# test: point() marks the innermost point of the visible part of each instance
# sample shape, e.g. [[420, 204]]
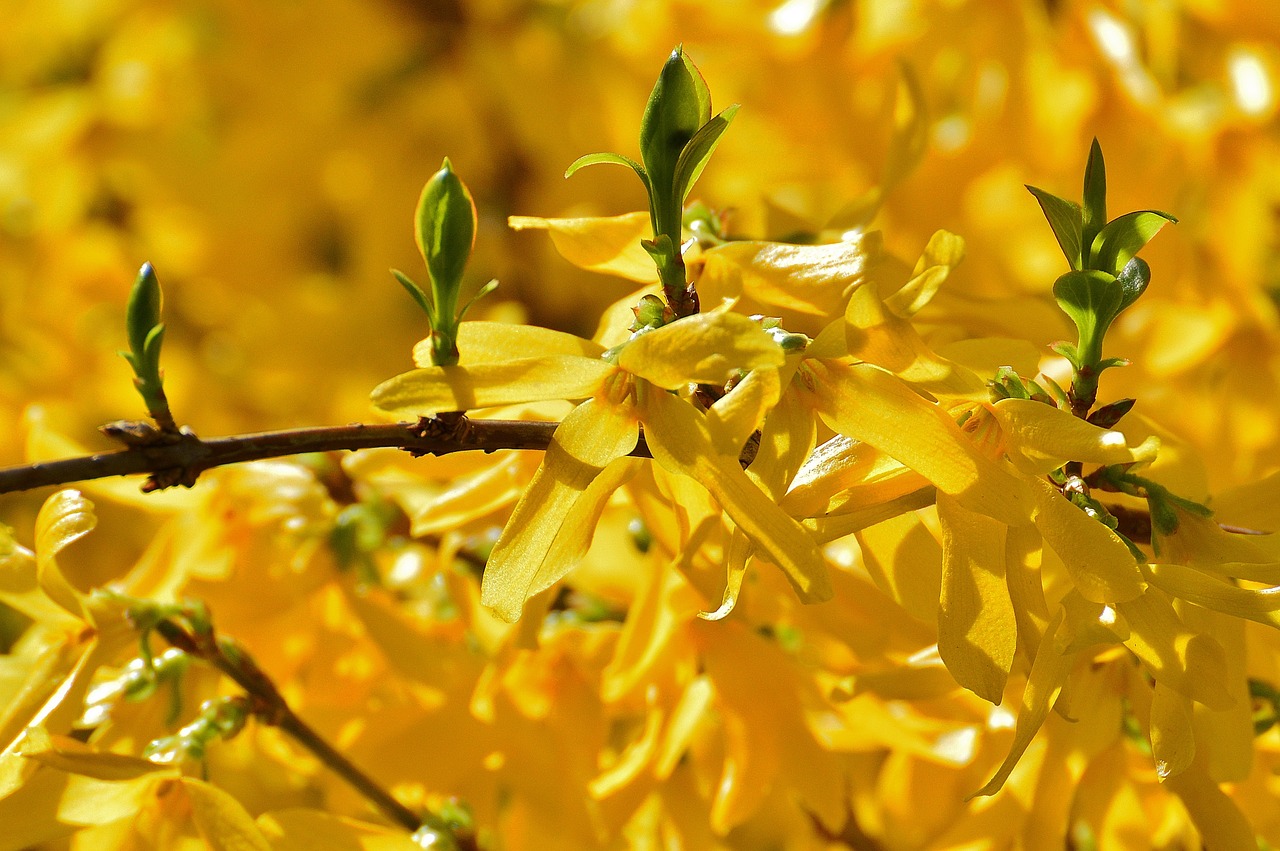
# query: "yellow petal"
[[1040, 438], [739, 553], [786, 440], [1023, 553], [1214, 592], [843, 475], [65, 518], [813, 279], [224, 822], [943, 253], [1191, 663], [20, 587], [584, 445], [977, 629], [75, 757], [905, 561], [876, 335], [733, 418], [852, 520], [1049, 671], [1216, 816], [502, 342], [312, 830], [691, 712], [429, 391], [1099, 563], [1173, 746], [706, 347], [610, 245], [682, 443], [868, 404]]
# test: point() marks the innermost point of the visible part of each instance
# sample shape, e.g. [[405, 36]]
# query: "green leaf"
[[1133, 280], [1108, 363], [610, 158], [1094, 213], [446, 232], [1108, 415], [693, 159], [151, 352], [1123, 238], [700, 88], [1066, 220], [480, 293], [416, 292], [1068, 351], [1092, 300], [143, 311]]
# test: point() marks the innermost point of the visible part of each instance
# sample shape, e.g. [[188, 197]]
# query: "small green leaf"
[[1066, 220], [610, 158], [1133, 280], [416, 292], [151, 352], [1123, 238], [700, 88], [693, 159], [1092, 300], [1108, 363], [143, 312], [446, 231], [1094, 213], [480, 293], [1068, 351]]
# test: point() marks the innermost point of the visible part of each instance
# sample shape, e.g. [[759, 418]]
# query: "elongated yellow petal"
[[854, 518], [878, 336], [502, 342], [844, 476], [1214, 592], [977, 629], [1049, 671], [1040, 438], [905, 561], [690, 713], [1202, 542], [733, 418], [224, 822], [1100, 564], [868, 404], [1216, 816], [943, 253], [593, 436], [707, 347], [1173, 744], [607, 244], [814, 279], [429, 391], [786, 440], [682, 443], [1191, 663], [739, 553], [1023, 553]]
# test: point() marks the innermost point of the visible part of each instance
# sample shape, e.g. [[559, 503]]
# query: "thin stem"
[[269, 706], [181, 462]]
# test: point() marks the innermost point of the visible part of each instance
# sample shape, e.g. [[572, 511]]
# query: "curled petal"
[[1214, 592]]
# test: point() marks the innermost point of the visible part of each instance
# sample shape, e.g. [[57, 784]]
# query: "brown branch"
[[269, 706], [181, 461]]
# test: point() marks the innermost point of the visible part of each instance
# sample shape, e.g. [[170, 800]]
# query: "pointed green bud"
[[446, 231], [143, 313]]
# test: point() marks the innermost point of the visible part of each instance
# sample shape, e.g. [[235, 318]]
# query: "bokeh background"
[[267, 156]]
